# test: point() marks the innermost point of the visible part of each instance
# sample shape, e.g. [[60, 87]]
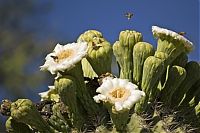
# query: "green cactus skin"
[[23, 110], [102, 129], [163, 56], [12, 126], [181, 60], [67, 87], [152, 70], [123, 51], [82, 93], [87, 69], [175, 76], [89, 35], [100, 55], [197, 111], [179, 130], [57, 120], [119, 119], [159, 127], [193, 74], [172, 48], [193, 92], [99, 52], [141, 51], [137, 124]]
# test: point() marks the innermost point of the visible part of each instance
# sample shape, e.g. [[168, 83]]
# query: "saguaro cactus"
[[157, 92], [141, 51], [23, 110], [123, 51], [152, 70]]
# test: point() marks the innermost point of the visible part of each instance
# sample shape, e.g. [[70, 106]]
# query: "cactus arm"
[[67, 87], [181, 60], [193, 74], [123, 51], [152, 70], [175, 76], [12, 126], [193, 92], [141, 51], [23, 110], [83, 95]]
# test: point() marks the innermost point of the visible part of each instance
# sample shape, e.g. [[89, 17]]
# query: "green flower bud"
[[152, 71], [12, 126], [23, 110], [123, 51], [193, 74], [67, 87], [174, 77], [171, 43], [89, 35], [164, 57], [99, 53], [141, 51]]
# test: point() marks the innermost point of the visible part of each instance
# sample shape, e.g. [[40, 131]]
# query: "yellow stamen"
[[119, 94], [63, 55]]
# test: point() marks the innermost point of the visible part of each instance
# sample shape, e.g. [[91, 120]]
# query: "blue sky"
[[69, 18]]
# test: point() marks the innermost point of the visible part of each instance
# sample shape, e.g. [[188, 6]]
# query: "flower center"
[[63, 55], [119, 94]]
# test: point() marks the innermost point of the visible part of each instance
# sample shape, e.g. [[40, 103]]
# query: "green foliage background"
[[20, 47]]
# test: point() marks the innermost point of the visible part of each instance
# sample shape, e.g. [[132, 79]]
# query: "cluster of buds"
[[155, 88]]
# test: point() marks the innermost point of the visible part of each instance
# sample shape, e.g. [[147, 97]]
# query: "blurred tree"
[[19, 49]]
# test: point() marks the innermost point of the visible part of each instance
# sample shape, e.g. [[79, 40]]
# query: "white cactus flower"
[[158, 32], [51, 94], [64, 57], [120, 93]]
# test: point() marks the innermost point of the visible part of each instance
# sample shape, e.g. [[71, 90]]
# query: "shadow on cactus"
[[158, 90]]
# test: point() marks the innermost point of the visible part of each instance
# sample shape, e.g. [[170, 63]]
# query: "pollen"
[[119, 94], [63, 55]]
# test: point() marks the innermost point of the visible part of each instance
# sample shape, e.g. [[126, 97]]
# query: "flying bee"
[[182, 33], [129, 15]]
